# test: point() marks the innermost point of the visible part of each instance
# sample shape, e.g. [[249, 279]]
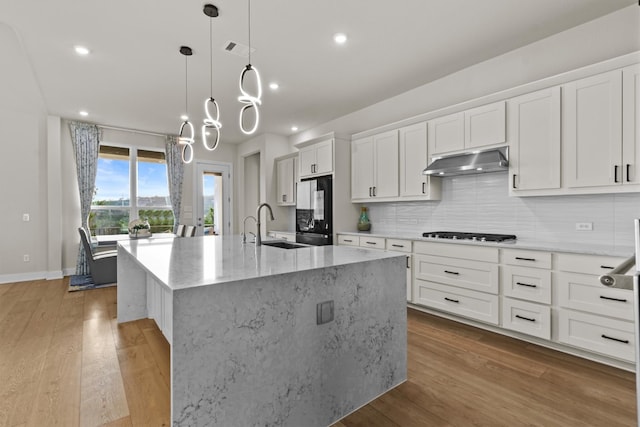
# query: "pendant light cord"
[[186, 87], [211, 56], [249, 2]]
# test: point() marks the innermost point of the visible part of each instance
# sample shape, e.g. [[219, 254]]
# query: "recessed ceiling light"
[[273, 85], [84, 113], [81, 50], [184, 117], [294, 128], [340, 38]]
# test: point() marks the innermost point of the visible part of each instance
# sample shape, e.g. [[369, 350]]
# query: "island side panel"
[[132, 288], [250, 352]]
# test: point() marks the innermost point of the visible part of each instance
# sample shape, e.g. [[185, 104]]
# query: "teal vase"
[[363, 222]]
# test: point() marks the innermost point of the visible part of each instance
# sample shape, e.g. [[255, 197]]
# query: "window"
[[130, 183]]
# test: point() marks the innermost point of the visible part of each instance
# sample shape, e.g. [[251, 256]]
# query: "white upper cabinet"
[[446, 134], [285, 181], [316, 159], [592, 131], [534, 136], [631, 124], [484, 125], [374, 167], [413, 159], [474, 128]]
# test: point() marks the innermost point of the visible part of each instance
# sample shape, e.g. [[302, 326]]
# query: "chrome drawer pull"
[[452, 300], [525, 259], [452, 272], [615, 339], [613, 299], [528, 319], [526, 284]]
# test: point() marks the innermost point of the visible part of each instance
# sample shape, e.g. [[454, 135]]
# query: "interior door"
[[213, 198]]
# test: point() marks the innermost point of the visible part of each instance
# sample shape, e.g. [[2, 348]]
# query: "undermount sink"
[[284, 245]]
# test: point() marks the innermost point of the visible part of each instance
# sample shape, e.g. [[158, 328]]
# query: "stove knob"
[[474, 238], [483, 239], [455, 237], [436, 236]]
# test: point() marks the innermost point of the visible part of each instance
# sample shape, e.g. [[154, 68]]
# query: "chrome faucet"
[[244, 227], [259, 237]]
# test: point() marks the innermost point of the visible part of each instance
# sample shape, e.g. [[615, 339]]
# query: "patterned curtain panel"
[[175, 171], [85, 138]]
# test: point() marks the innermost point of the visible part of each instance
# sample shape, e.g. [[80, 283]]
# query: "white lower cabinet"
[[600, 334], [527, 318], [463, 302], [160, 307]]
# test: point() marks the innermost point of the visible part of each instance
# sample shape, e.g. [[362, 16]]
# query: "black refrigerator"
[[314, 211]]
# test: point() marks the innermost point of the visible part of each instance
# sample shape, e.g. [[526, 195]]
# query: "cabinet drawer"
[[348, 240], [586, 264], [463, 302], [531, 284], [611, 337], [473, 275], [399, 245], [585, 293], [535, 259], [528, 318], [476, 253], [372, 242]]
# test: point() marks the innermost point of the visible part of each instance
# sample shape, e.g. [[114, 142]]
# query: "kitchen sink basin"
[[284, 245]]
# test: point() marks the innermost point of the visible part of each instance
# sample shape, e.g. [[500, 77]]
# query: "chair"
[[190, 231], [180, 230], [103, 266]]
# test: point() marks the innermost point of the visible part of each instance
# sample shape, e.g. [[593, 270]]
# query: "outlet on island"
[[324, 312]]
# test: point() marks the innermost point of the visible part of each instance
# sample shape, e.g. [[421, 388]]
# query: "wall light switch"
[[584, 226], [25, 217], [324, 312]]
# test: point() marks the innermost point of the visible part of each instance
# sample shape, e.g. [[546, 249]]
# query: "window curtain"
[[175, 172], [85, 138]]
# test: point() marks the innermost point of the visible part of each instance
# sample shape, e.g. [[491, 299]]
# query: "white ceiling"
[[135, 76]]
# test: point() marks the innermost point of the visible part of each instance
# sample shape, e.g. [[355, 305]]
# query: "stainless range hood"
[[492, 160]]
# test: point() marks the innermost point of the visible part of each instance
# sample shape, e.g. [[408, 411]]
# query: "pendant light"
[[185, 136], [212, 123], [246, 98]]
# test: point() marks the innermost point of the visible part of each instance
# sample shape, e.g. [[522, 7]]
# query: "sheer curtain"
[[85, 138], [175, 172]]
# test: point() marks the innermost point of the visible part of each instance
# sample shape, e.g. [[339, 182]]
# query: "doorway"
[[213, 198]]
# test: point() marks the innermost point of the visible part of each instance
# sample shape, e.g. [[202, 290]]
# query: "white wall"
[[612, 35], [23, 166]]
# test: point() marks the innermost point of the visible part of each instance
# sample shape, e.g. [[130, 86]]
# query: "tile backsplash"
[[481, 203]]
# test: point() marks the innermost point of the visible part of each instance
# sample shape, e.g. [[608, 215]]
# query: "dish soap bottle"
[[363, 222]]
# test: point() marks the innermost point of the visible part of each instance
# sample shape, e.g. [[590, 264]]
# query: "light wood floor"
[[64, 361]]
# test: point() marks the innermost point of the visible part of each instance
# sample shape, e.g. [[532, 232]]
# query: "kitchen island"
[[269, 336]]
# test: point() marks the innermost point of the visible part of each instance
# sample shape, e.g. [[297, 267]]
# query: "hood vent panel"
[[493, 160]]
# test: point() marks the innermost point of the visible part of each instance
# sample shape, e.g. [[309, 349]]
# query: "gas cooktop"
[[482, 237]]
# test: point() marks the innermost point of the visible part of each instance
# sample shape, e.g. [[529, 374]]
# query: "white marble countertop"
[[182, 263], [579, 248]]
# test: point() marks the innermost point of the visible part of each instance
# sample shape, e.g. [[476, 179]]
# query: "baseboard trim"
[[54, 275], [68, 271], [22, 277]]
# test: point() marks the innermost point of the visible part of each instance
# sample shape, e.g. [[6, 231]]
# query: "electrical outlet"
[[25, 217], [584, 226], [26, 258]]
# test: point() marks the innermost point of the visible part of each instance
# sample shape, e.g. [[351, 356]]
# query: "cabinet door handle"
[[408, 263], [613, 299], [615, 173], [371, 243], [528, 319], [614, 339], [525, 259], [513, 181], [397, 246], [452, 300], [452, 272], [348, 240], [284, 197], [526, 284], [628, 172], [423, 192], [374, 191], [370, 193]]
